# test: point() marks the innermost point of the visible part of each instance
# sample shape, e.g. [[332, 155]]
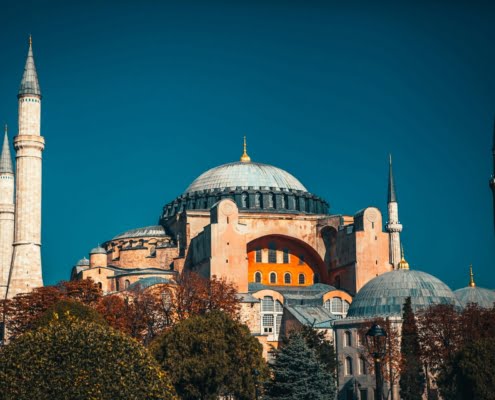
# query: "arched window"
[[316, 278], [362, 366], [287, 278], [336, 305], [347, 339], [271, 315], [286, 201], [127, 284], [272, 200], [283, 203], [257, 277], [100, 285], [272, 253], [244, 200], [258, 200], [302, 279], [348, 366], [273, 277]]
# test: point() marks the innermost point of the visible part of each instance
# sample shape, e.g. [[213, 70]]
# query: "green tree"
[[211, 355], [474, 369], [67, 309], [76, 359], [412, 377], [324, 348], [297, 374]]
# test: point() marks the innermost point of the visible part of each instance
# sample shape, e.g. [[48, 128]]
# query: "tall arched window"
[[100, 285], [273, 277], [272, 253], [286, 201], [283, 203], [127, 284], [302, 279], [244, 200], [362, 366], [271, 315], [272, 200], [258, 200], [348, 366], [257, 277], [287, 278], [258, 256], [286, 256]]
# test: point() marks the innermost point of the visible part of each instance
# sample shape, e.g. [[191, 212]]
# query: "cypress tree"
[[412, 377], [298, 374]]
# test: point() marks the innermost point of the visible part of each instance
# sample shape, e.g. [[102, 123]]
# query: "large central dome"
[[245, 175]]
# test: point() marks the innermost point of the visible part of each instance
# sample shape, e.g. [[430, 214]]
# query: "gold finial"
[[471, 276], [30, 40], [403, 264], [245, 157], [6, 128]]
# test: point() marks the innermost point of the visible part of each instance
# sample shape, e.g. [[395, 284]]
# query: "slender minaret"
[[394, 228], [492, 179], [6, 214], [25, 273]]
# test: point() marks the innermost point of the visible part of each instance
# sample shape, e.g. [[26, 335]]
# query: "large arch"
[[293, 256]]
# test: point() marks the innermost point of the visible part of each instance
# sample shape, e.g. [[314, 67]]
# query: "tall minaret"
[[492, 179], [394, 228], [25, 272], [6, 214]]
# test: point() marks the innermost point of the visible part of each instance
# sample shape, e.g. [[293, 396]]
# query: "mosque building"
[[293, 261]]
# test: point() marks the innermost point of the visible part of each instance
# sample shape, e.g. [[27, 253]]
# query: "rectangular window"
[[267, 323], [267, 304], [286, 256], [272, 255], [258, 256], [278, 322]]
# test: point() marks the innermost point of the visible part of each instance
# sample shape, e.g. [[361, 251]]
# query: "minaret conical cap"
[[392, 195], [5, 157], [29, 82]]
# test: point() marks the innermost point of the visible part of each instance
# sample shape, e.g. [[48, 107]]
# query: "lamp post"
[[376, 339]]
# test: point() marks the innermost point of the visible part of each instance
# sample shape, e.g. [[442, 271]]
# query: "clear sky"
[[141, 97]]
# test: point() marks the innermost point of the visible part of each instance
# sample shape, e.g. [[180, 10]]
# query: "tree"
[[21, 312], [75, 359], [475, 370], [412, 377], [297, 374], [211, 355], [69, 309], [323, 348]]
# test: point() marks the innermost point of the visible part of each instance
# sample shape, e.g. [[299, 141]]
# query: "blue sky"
[[141, 97]]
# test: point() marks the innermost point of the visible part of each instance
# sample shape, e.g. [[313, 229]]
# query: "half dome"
[[385, 295], [246, 175]]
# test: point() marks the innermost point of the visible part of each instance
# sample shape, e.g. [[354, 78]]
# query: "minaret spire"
[[471, 277], [29, 82], [5, 157], [394, 228], [245, 157]]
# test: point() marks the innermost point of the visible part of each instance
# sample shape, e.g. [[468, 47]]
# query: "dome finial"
[[30, 40], [403, 264], [471, 277], [245, 157]]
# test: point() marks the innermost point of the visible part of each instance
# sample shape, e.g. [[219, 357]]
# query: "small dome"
[[385, 295], [145, 283], [245, 175], [98, 250], [83, 262], [146, 231], [485, 298]]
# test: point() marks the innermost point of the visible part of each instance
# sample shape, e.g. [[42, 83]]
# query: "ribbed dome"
[[483, 297], [385, 295], [154, 230], [83, 262], [98, 250], [245, 175]]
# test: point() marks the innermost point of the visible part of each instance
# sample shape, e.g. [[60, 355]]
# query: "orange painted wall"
[[308, 267]]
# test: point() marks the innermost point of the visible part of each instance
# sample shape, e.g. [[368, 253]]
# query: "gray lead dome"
[[385, 295], [245, 175]]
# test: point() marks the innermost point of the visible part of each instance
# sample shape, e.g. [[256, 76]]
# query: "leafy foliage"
[[475, 370], [412, 377], [75, 359], [323, 348], [211, 355], [24, 309], [69, 309], [298, 374]]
